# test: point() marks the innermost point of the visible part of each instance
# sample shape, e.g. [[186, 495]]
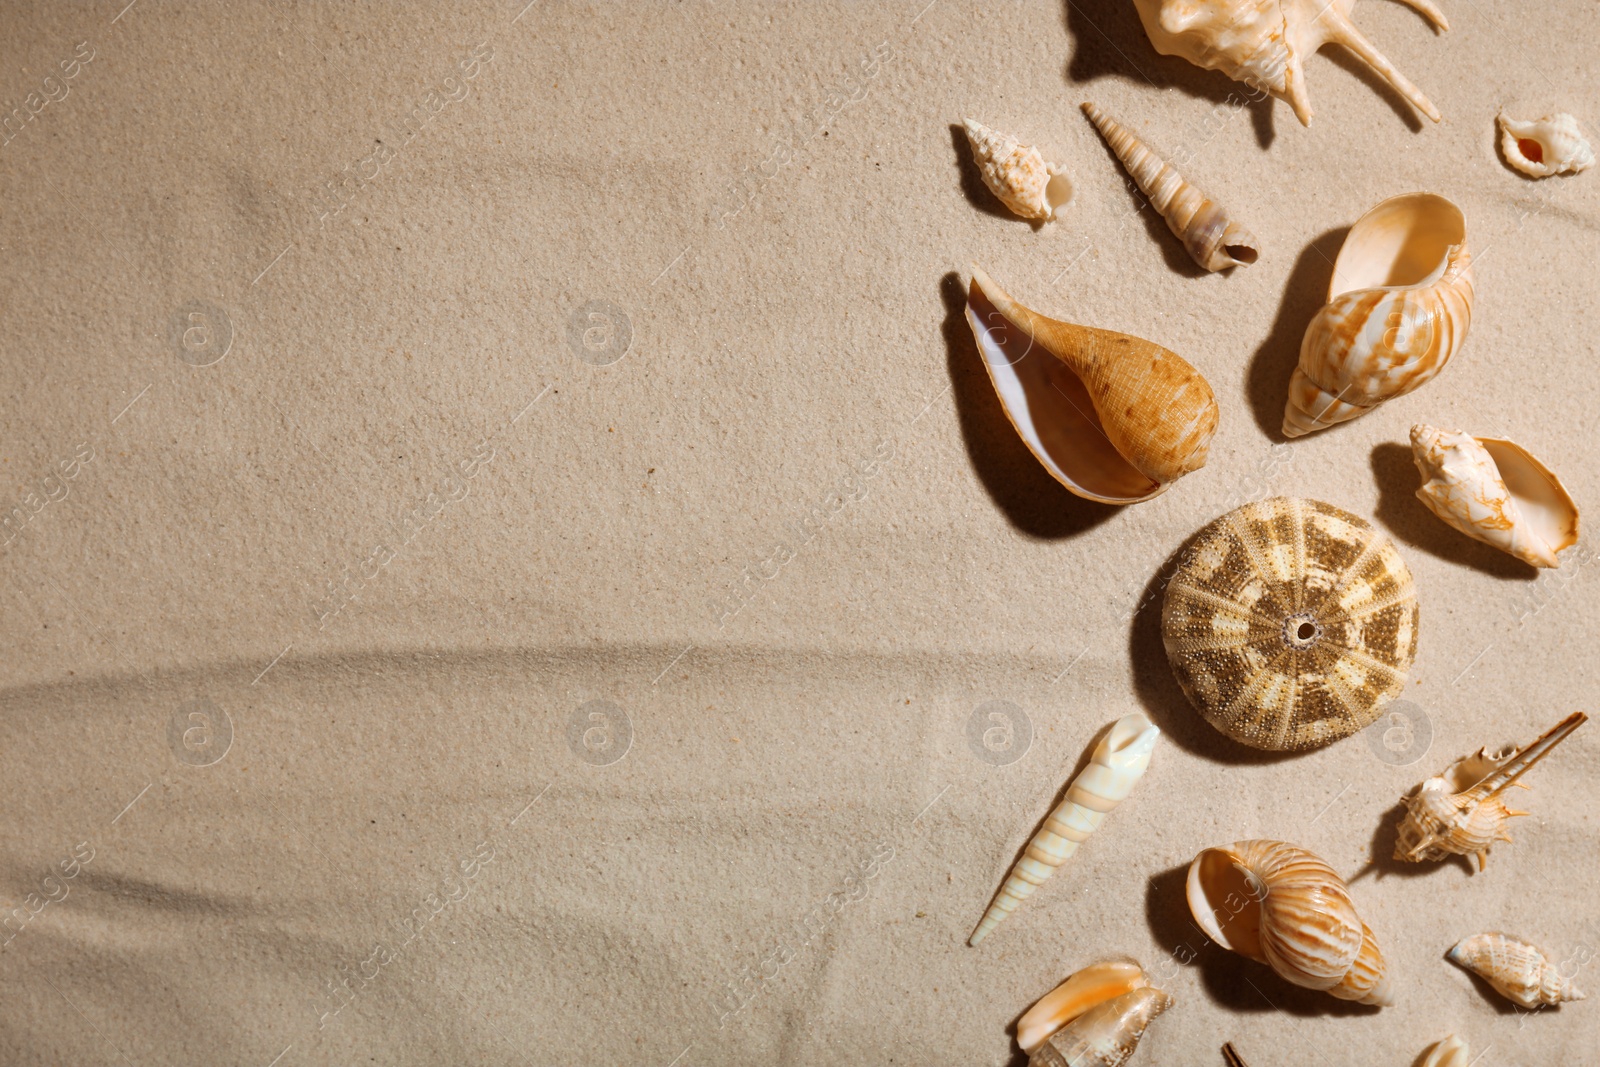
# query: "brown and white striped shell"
[[1290, 623]]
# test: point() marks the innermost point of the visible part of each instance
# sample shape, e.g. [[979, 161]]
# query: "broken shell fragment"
[[1398, 308], [1017, 174], [1279, 904], [1213, 239], [1094, 984], [1113, 418], [1104, 1036], [1119, 761], [1264, 43], [1542, 147], [1522, 973], [1460, 812], [1496, 492], [1451, 1052]]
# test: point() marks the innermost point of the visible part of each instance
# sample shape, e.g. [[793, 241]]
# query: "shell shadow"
[[1403, 515], [1176, 256], [1383, 862], [1229, 980], [1267, 380], [1112, 44], [1346, 60], [1157, 689], [1034, 502], [972, 187]]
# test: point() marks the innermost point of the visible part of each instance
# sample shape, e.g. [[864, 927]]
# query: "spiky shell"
[[1521, 972], [1539, 148], [1290, 623], [1104, 1036], [1017, 174]]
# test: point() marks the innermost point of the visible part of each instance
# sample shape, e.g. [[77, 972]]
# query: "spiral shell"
[[1113, 418], [1263, 43], [1542, 147], [1522, 973], [1106, 1035], [1119, 761], [1213, 239], [1017, 174], [1290, 623], [1084, 989], [1398, 309], [1281, 905], [1451, 1052]]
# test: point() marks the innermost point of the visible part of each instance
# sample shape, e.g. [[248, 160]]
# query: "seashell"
[[1213, 239], [1119, 760], [1104, 1036], [1113, 418], [1398, 308], [1496, 492], [1017, 174], [1280, 905], [1263, 43], [1230, 1055], [1518, 971], [1095, 984], [1542, 147], [1290, 623], [1451, 1052], [1460, 812]]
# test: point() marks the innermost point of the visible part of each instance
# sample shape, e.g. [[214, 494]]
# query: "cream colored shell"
[[1541, 147], [1105, 1036], [1264, 43], [1451, 1052], [1398, 309], [1084, 989], [1279, 904], [1119, 761], [1522, 973], [1496, 492], [1017, 174], [1209, 235]]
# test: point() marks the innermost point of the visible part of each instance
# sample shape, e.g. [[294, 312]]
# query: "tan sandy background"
[[536, 572]]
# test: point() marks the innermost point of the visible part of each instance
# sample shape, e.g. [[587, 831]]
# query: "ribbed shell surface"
[[1310, 932]]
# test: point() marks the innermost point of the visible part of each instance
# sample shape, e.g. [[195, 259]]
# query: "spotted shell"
[[1290, 623]]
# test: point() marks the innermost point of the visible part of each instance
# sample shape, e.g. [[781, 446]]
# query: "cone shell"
[[1541, 147], [1281, 905], [1264, 43], [1095, 984], [1211, 238], [1017, 174], [1113, 418], [1398, 309], [1496, 492], [1105, 1036], [1522, 973], [1290, 623], [1451, 1052]]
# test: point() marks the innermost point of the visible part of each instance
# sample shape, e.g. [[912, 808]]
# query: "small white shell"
[[1542, 147], [1496, 492], [1520, 972], [1017, 174], [1451, 1052]]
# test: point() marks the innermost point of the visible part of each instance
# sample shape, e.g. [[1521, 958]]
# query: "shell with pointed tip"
[[1119, 761], [1264, 43], [1496, 492], [1213, 239], [1017, 174], [1460, 812], [1451, 1052], [1522, 973], [1095, 984], [1542, 147], [1279, 904], [1106, 1035], [1290, 623], [1398, 308], [1113, 418]]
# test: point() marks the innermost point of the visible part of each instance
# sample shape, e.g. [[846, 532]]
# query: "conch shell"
[[1119, 760], [1264, 42], [1017, 174], [1460, 812], [1113, 418], [1095, 984], [1398, 308], [1104, 1036], [1542, 147], [1451, 1052], [1280, 905], [1496, 492], [1213, 239], [1520, 972]]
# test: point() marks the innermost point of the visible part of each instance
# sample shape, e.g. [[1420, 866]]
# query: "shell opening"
[[1225, 900], [1244, 254], [1301, 631], [1531, 149], [1057, 192], [1403, 242]]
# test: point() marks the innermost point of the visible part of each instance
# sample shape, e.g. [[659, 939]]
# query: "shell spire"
[[1119, 761], [1208, 234]]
